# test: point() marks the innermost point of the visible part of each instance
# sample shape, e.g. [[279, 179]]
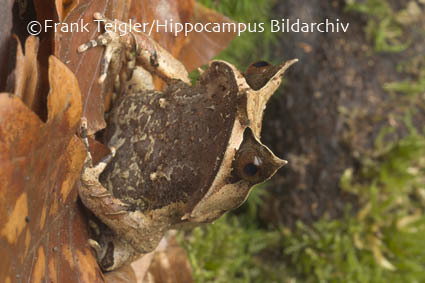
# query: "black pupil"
[[250, 169], [261, 64]]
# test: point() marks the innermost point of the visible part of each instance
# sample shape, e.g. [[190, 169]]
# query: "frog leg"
[[133, 230], [141, 49], [91, 192]]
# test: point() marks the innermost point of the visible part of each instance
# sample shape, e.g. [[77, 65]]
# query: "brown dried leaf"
[[5, 36], [124, 274], [64, 7], [85, 66], [201, 47], [26, 72], [42, 231], [170, 265]]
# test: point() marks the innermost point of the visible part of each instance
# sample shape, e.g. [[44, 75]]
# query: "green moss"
[[229, 250], [382, 242], [384, 26], [415, 67]]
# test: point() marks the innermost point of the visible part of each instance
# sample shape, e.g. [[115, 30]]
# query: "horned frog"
[[180, 157]]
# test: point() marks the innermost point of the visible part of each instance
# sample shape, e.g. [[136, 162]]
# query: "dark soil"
[[330, 110]]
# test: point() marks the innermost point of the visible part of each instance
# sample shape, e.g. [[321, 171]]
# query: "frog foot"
[[110, 251], [137, 47], [89, 169], [115, 44]]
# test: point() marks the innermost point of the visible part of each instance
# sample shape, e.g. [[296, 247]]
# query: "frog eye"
[[249, 166]]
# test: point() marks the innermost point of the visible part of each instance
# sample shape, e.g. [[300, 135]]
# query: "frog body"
[[181, 156]]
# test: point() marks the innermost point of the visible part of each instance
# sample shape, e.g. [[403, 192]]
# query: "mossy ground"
[[380, 237]]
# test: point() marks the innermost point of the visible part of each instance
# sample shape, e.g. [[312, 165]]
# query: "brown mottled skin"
[[171, 138]]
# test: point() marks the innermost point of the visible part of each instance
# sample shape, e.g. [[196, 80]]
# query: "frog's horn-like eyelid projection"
[[257, 98]]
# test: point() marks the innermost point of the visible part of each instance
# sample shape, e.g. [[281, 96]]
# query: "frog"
[[180, 157]]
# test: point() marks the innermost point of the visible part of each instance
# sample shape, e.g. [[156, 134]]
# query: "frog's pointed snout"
[[276, 163], [281, 163]]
